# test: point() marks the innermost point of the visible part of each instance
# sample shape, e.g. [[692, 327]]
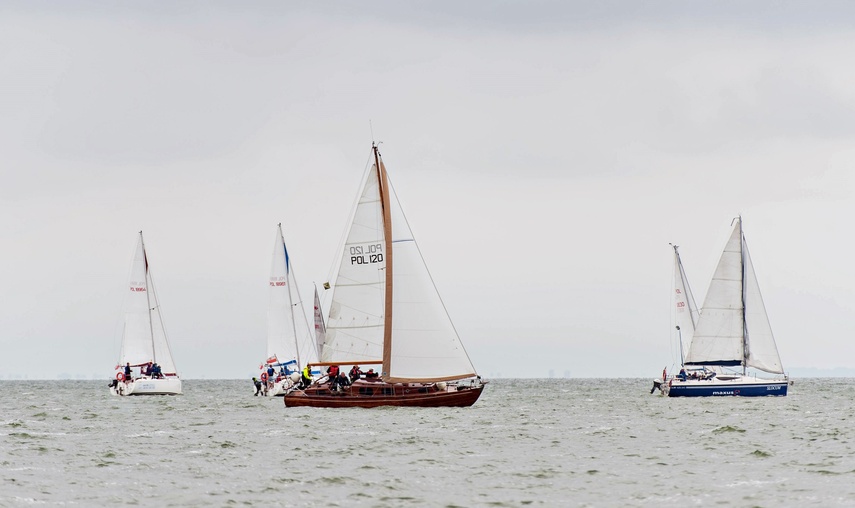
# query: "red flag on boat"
[[273, 359]]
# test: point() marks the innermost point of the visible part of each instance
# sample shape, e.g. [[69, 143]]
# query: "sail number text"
[[277, 281], [366, 254]]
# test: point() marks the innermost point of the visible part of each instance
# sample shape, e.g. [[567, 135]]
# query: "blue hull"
[[772, 388]]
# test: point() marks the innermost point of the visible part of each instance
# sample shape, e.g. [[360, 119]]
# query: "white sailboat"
[[732, 332], [289, 338], [386, 311], [145, 364], [685, 313]]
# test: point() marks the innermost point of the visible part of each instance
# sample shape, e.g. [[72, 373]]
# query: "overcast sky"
[[545, 154]]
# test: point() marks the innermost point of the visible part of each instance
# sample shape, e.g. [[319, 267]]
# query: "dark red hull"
[[378, 393]]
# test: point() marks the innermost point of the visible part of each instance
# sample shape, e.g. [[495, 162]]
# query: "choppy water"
[[602, 442]]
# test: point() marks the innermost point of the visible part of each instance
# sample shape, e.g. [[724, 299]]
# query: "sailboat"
[[144, 343], [732, 332], [288, 332], [386, 312], [685, 313]]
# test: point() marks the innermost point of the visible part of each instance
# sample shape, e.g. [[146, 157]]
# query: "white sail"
[[425, 345], [320, 326], [685, 308], [144, 336], [421, 343], [762, 351], [733, 328], [288, 333], [355, 323], [719, 334]]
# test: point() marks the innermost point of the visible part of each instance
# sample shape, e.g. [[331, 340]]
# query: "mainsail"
[[390, 310], [733, 328], [144, 335]]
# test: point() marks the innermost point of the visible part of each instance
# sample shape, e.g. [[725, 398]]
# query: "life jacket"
[[334, 371], [307, 374]]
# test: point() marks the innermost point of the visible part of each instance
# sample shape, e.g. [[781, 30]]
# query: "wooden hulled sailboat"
[[732, 332], [144, 343], [386, 312]]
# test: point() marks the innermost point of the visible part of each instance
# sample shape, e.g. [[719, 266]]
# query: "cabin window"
[[366, 391]]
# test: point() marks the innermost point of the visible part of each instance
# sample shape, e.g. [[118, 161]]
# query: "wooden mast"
[[387, 255]]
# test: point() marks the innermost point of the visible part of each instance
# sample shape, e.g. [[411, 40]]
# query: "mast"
[[148, 301], [745, 351], [387, 246], [290, 300]]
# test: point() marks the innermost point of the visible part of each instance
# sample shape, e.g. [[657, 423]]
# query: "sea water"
[[544, 442]]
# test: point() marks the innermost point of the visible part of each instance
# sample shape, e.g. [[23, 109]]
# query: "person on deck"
[[355, 373], [128, 371], [343, 381], [332, 377], [306, 378], [371, 374], [257, 384], [682, 375]]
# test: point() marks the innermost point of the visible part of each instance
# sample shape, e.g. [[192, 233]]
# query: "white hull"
[[279, 389], [147, 386]]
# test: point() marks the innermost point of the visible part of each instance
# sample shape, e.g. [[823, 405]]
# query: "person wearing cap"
[[355, 373]]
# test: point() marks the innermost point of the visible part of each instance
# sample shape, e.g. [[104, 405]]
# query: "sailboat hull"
[[147, 386], [279, 388], [739, 386], [375, 394]]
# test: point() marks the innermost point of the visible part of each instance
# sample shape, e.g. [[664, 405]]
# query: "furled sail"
[[685, 308], [320, 326]]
